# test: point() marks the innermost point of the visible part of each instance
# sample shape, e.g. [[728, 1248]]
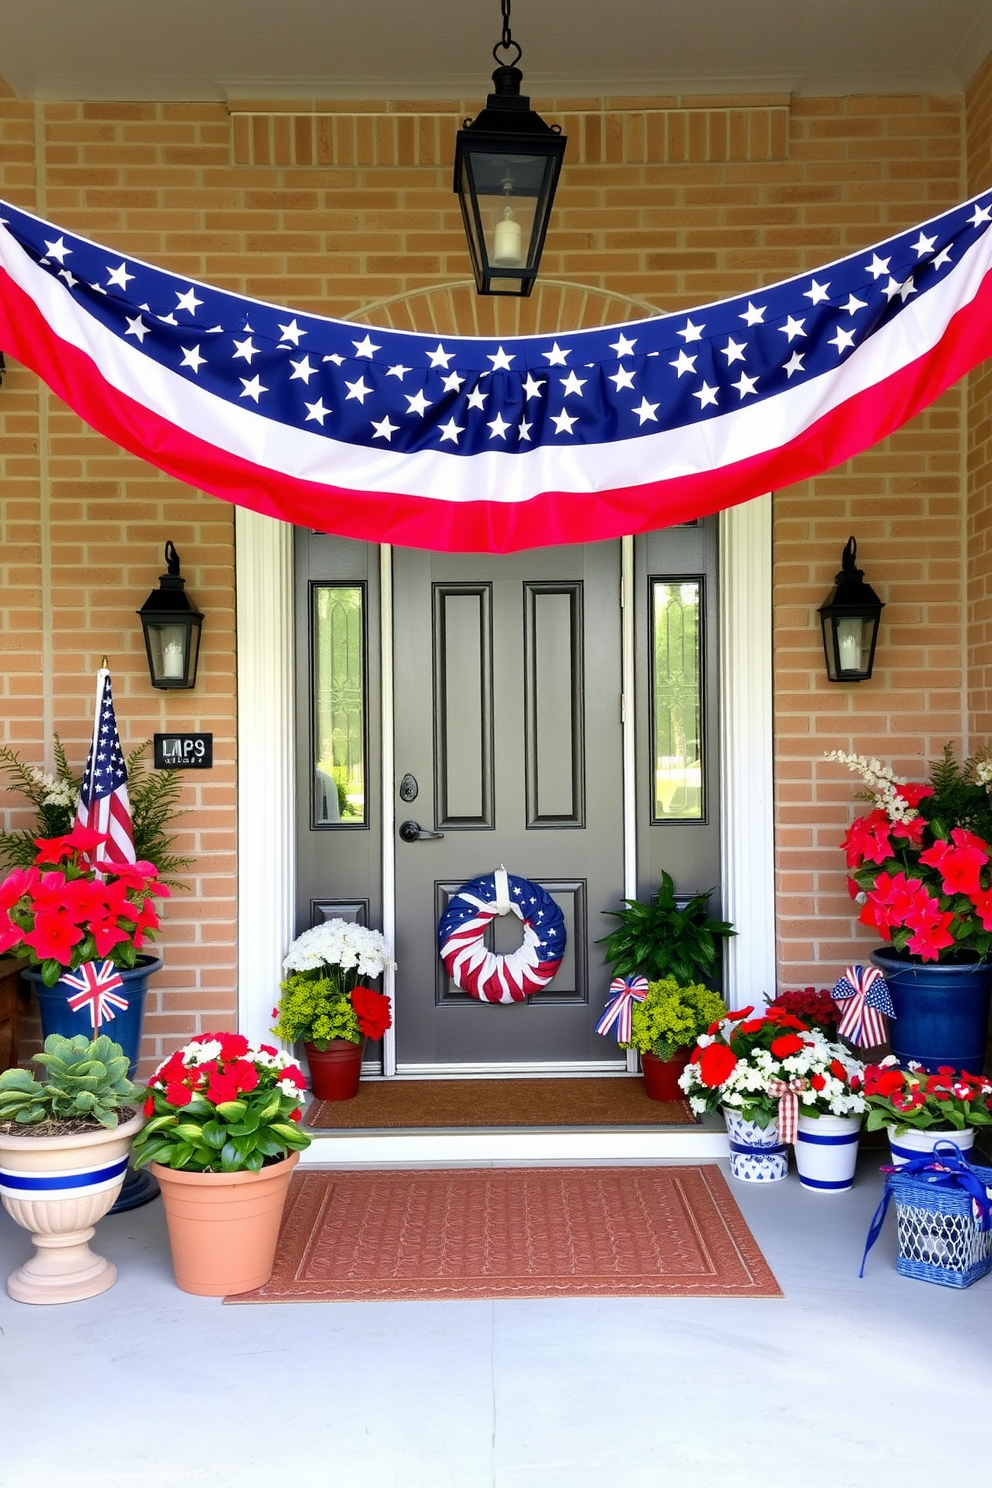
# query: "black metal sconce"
[[849, 617], [171, 623], [507, 163]]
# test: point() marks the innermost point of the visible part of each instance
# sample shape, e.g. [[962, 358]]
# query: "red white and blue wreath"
[[481, 972]]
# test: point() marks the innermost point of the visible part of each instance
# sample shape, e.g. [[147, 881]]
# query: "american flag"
[[867, 1004], [103, 800], [469, 444]]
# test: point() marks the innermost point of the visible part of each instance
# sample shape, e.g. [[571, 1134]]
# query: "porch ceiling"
[[216, 49]]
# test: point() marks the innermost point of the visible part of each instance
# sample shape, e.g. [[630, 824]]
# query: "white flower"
[[338, 943], [194, 1054]]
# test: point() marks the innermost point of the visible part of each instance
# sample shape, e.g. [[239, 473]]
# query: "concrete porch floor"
[[843, 1384]]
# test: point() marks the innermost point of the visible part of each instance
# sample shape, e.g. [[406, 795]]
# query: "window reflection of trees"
[[339, 704], [677, 700]]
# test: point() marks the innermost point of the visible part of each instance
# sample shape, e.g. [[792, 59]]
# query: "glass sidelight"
[[677, 699], [339, 709]]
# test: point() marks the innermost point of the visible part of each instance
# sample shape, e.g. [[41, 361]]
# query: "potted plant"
[[63, 1156], [919, 1108], [324, 1006], [764, 1073], [80, 924], [665, 938], [222, 1137], [664, 1027], [920, 865]]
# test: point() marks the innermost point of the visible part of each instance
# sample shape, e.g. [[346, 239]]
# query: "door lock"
[[409, 789], [411, 831]]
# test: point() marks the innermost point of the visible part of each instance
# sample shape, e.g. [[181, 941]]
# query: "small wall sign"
[[184, 751]]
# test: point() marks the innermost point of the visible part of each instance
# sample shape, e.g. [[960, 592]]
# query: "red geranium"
[[716, 1062], [373, 1010], [786, 1044]]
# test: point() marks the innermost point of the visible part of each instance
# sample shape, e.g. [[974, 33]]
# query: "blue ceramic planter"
[[125, 1028], [942, 1011]]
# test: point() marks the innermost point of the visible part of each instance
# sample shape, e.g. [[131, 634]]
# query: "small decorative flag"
[[103, 801], [97, 984], [788, 1106], [869, 1004], [624, 992]]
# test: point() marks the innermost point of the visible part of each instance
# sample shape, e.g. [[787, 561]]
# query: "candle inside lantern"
[[507, 247]]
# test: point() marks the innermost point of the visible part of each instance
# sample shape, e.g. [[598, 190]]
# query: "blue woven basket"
[[938, 1235]]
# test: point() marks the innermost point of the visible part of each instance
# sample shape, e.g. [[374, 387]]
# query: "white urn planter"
[[913, 1143], [827, 1152], [58, 1187]]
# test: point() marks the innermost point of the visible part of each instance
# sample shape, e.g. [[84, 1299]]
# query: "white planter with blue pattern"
[[914, 1143], [58, 1187], [756, 1154], [827, 1152]]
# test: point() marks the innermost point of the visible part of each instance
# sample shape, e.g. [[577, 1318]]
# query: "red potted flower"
[[919, 865]]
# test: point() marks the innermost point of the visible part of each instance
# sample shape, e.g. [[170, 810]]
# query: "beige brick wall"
[[672, 201]]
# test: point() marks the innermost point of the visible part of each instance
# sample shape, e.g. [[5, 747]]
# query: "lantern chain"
[[506, 41]]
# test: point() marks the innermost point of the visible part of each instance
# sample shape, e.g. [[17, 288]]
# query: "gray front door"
[[508, 743]]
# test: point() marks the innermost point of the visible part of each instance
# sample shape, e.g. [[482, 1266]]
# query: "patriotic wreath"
[[481, 972]]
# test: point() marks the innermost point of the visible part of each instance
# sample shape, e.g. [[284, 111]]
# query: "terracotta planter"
[[661, 1076], [58, 1187], [223, 1227], [335, 1072]]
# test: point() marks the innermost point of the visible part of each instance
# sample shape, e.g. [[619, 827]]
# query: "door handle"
[[411, 831]]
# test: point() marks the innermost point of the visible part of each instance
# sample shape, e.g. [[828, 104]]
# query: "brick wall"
[[670, 201]]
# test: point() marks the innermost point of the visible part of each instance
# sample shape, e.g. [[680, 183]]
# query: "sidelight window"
[[677, 699], [339, 712]]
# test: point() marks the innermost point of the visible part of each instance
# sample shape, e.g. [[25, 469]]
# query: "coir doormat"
[[603, 1101], [456, 1234]]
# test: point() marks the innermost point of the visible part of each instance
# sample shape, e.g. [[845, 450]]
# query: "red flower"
[[910, 831], [786, 1044], [293, 1073], [751, 1025], [106, 934], [232, 1045], [784, 1019], [10, 934], [932, 937], [959, 866], [887, 1083], [913, 794], [53, 936], [296, 1114], [740, 1013], [817, 1082], [373, 1011], [149, 1107], [79, 840], [178, 1095], [867, 839], [837, 1069], [716, 1064], [18, 882], [983, 907]]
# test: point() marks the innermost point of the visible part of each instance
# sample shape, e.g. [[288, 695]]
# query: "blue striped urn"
[[57, 1187], [757, 1155]]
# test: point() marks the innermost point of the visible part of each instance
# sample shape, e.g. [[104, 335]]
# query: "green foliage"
[[154, 797], [673, 1016], [665, 939], [86, 1084], [315, 1008]]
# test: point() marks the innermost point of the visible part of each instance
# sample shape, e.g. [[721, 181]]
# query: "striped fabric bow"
[[787, 1092], [868, 1006], [624, 992], [96, 984]]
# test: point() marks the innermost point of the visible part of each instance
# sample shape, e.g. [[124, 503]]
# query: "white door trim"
[[266, 777]]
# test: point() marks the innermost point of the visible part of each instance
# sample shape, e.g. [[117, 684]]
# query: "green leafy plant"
[[916, 1100], [153, 794], [673, 1016], [315, 1011], [665, 938], [220, 1106], [321, 997], [86, 1085]]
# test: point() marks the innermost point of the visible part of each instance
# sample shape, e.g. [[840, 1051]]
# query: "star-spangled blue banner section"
[[408, 392]]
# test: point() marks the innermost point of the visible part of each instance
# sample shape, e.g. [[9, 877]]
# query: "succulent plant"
[[86, 1083]]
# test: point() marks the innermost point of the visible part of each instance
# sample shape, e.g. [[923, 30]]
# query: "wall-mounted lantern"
[[850, 616], [507, 163], [171, 623]]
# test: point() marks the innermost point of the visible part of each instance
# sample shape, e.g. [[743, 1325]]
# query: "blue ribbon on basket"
[[944, 1168], [624, 992]]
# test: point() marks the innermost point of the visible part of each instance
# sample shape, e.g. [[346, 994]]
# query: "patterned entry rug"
[[455, 1234], [599, 1101]]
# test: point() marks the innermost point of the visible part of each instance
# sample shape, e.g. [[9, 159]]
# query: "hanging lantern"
[[850, 616], [171, 623], [507, 163]]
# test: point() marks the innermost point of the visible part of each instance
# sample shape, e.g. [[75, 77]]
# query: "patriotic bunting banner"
[[867, 1004], [624, 992], [472, 444], [96, 984]]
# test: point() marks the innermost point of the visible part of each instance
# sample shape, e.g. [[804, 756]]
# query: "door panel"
[[507, 714]]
